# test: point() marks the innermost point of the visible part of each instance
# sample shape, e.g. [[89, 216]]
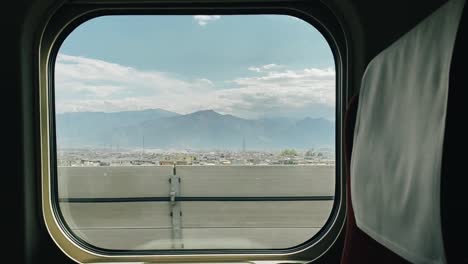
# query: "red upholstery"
[[359, 247]]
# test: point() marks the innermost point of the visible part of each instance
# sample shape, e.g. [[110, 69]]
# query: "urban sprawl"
[[133, 157]]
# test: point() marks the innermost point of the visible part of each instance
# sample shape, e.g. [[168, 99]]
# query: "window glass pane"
[[195, 132]]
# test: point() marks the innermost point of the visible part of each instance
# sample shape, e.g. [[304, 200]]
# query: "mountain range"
[[206, 129]]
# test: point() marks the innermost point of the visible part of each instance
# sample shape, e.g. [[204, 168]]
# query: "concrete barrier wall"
[[235, 181], [205, 224]]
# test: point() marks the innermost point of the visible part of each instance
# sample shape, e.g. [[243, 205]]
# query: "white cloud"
[[84, 84], [264, 67], [282, 91], [202, 20]]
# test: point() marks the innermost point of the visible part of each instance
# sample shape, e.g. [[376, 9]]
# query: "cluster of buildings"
[[103, 157]]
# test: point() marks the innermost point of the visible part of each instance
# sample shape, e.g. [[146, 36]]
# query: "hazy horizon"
[[197, 111]]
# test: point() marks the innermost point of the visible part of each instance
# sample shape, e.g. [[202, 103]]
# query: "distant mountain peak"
[[207, 112], [203, 129]]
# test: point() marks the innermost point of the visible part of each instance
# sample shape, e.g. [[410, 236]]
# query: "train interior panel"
[[235, 131]]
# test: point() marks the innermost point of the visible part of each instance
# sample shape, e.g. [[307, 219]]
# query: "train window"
[[203, 132], [178, 133]]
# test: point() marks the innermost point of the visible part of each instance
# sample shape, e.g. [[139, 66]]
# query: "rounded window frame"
[[70, 16]]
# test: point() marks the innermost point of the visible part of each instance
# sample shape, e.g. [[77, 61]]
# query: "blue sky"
[[250, 66]]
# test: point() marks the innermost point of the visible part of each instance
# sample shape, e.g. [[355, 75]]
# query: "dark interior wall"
[[20, 213], [11, 27], [38, 246], [371, 25], [386, 21]]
